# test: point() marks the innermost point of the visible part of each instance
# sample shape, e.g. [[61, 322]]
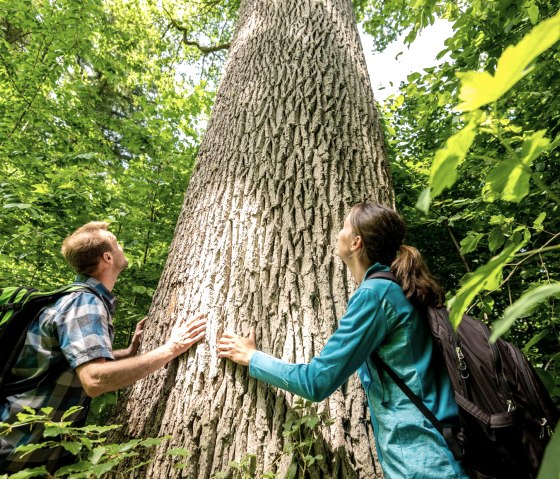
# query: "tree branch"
[[203, 48]]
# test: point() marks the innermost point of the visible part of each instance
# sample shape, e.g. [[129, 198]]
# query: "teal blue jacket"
[[380, 318]]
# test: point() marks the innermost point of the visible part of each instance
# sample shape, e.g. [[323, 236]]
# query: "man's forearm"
[[119, 354], [100, 377]]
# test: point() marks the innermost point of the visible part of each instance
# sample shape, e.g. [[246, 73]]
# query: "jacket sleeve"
[[361, 330]]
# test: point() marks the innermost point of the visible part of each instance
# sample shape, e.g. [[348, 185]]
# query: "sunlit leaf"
[[551, 460], [510, 178], [496, 238], [444, 168], [523, 306], [424, 200], [538, 223], [486, 277], [480, 88]]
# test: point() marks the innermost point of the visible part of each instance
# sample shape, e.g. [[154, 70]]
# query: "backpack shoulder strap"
[[409, 394], [446, 430], [393, 375], [383, 275]]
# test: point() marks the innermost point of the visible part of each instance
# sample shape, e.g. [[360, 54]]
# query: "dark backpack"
[[506, 416], [19, 306]]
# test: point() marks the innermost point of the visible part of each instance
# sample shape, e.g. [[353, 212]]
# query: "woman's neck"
[[357, 270]]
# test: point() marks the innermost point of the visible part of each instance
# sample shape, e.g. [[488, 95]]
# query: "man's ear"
[[107, 256]]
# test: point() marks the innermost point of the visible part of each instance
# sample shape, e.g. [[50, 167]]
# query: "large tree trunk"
[[293, 141]]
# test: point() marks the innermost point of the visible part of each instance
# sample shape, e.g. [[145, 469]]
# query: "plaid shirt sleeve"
[[84, 328]]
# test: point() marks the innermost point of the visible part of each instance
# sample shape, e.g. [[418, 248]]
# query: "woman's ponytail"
[[418, 284]]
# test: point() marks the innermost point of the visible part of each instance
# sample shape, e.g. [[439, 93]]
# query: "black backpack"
[[506, 415], [19, 306]]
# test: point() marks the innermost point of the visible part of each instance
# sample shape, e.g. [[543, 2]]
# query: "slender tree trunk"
[[294, 140]]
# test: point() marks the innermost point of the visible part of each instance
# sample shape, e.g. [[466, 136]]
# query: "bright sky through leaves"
[[383, 68]]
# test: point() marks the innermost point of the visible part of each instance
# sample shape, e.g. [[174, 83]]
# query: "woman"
[[382, 317]]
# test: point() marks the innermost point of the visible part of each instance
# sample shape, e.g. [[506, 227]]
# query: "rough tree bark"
[[294, 140]]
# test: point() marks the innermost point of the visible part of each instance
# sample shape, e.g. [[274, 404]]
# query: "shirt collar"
[[109, 298], [374, 268]]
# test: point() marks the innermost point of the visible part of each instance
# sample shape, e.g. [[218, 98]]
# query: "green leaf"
[[126, 446], [21, 206], [100, 469], [27, 473], [533, 12], [539, 221], [72, 410], [480, 88], [510, 178], [486, 277], [470, 242], [496, 238], [523, 306], [97, 454], [179, 451], [82, 466], [292, 471], [444, 167], [423, 203], [535, 340], [312, 421], [72, 447], [551, 461], [27, 448], [53, 430], [153, 441]]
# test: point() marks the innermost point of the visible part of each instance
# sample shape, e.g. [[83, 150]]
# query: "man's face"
[[119, 259]]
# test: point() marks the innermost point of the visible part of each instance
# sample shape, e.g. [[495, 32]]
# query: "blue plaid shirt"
[[77, 328]]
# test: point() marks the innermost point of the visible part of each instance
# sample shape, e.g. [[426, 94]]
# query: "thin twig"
[[457, 246]]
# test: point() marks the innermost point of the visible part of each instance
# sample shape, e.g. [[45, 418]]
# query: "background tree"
[[293, 141]]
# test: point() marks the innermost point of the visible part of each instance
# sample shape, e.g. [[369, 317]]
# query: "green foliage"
[[101, 114], [523, 306], [301, 434], [94, 456], [484, 176], [551, 462], [480, 88], [509, 179]]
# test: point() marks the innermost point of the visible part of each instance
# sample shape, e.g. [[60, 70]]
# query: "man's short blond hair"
[[85, 246]]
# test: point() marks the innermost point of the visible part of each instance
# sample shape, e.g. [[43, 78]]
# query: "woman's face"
[[345, 238]]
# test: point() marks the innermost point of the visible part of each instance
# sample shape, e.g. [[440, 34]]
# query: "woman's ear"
[[357, 243]]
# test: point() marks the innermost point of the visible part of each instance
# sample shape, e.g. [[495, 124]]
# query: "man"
[[73, 339]]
